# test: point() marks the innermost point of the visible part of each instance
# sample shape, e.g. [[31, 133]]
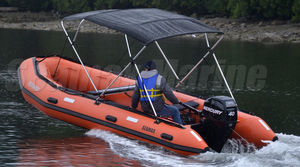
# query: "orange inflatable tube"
[[60, 88]]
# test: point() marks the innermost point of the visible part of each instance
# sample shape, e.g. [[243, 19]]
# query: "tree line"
[[249, 9]]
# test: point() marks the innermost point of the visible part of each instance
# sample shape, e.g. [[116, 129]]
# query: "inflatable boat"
[[96, 99]]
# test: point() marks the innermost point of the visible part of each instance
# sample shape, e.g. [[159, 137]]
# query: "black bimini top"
[[145, 25]]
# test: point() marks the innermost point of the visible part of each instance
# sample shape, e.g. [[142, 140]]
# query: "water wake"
[[285, 151]]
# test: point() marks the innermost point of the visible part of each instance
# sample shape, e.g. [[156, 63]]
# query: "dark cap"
[[150, 65]]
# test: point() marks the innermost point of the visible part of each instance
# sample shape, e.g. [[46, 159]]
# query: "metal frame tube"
[[163, 54], [199, 62], [78, 28], [139, 74], [218, 65], [135, 57], [75, 51]]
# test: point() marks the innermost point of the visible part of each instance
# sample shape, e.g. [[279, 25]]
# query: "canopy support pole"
[[199, 62], [217, 62], [135, 57], [78, 28], [75, 51], [163, 54], [139, 75]]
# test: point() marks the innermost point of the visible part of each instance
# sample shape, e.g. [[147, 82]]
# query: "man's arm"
[[168, 92], [135, 97]]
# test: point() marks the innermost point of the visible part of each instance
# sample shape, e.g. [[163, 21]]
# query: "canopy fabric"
[[145, 25]]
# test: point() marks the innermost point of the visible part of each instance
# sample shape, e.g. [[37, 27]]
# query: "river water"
[[264, 79]]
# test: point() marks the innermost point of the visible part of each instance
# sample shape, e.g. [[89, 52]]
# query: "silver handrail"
[[199, 62], [78, 28], [139, 74], [218, 65], [135, 57], [165, 57], [75, 51]]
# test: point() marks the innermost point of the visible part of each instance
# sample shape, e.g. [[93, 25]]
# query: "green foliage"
[[281, 8], [296, 11], [216, 7], [260, 9], [71, 6], [142, 3], [188, 7], [111, 4], [254, 9], [3, 3], [238, 8], [32, 5], [162, 4]]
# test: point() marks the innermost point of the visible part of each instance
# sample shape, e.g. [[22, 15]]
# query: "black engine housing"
[[220, 117]]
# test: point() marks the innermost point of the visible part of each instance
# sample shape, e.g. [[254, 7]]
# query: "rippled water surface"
[[30, 138]]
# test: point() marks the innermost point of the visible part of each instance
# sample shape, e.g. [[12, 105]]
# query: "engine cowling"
[[222, 110], [219, 119]]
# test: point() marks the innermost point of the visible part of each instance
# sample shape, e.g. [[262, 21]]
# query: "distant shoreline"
[[234, 29]]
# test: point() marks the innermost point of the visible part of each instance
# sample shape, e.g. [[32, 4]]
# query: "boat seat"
[[113, 90], [190, 103]]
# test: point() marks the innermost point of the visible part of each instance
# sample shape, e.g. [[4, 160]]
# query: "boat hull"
[[46, 91]]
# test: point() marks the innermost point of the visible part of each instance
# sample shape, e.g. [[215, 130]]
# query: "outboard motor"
[[220, 117]]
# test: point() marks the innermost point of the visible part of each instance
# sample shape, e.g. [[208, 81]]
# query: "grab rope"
[[56, 68], [44, 57]]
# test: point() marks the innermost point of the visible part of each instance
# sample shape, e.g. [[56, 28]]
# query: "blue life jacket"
[[150, 84]]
